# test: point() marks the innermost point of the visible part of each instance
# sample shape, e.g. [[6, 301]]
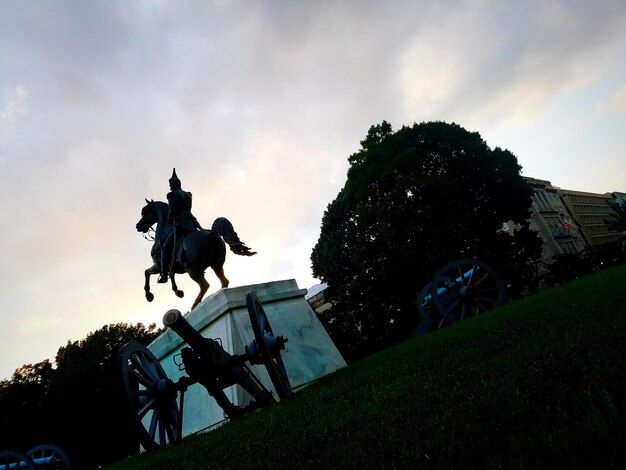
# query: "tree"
[[24, 411], [76, 405], [618, 223], [568, 266], [413, 201], [90, 408], [618, 220]]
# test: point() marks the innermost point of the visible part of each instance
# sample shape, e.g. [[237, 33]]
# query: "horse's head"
[[149, 217]]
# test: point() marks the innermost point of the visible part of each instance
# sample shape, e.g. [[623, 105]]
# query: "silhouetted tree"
[[86, 394], [568, 266], [76, 405], [24, 406], [618, 221], [414, 200]]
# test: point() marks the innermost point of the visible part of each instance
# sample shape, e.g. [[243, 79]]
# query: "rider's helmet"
[[174, 181]]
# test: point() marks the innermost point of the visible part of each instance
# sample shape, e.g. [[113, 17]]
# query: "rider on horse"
[[183, 222]]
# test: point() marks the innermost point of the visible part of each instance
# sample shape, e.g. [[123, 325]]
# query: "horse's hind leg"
[[146, 287], [198, 276], [219, 271]]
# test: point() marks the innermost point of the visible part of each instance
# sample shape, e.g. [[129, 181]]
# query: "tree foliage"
[[76, 405], [24, 402], [569, 266], [618, 221], [615, 252], [414, 200]]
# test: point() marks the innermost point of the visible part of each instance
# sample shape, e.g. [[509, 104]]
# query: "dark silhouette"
[[182, 221], [74, 404], [413, 201], [194, 250]]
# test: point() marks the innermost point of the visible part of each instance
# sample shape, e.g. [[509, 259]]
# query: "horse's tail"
[[224, 228]]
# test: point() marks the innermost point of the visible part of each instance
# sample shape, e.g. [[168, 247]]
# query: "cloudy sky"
[[258, 105]]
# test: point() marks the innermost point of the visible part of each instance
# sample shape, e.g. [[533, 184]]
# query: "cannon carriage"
[[461, 289], [41, 457], [156, 403]]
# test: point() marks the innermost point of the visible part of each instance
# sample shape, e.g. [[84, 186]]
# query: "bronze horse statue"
[[196, 251]]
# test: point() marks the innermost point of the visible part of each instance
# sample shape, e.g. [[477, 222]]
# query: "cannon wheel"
[[429, 319], [262, 333], [150, 397], [424, 300], [13, 459], [466, 294], [51, 454]]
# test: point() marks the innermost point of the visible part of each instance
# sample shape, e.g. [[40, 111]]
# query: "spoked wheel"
[[466, 288], [424, 301], [10, 459], [268, 346], [150, 396], [49, 456], [429, 318]]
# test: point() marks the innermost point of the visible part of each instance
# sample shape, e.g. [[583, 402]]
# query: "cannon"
[[155, 403], [45, 456], [459, 290]]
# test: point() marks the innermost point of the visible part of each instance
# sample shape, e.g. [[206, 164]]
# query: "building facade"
[[593, 213], [550, 218], [316, 296]]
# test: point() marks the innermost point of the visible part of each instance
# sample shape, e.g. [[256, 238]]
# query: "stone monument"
[[310, 352]]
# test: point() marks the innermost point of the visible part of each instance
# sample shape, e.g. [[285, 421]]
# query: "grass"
[[537, 383]]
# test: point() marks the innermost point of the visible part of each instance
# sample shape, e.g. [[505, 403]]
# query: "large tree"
[[414, 200]]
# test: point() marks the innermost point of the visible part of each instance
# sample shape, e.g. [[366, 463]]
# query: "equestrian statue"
[[181, 245]]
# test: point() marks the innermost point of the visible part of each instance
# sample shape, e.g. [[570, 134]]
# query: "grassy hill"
[[537, 383]]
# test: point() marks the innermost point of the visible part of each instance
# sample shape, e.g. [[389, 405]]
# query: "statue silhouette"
[[181, 246], [179, 215]]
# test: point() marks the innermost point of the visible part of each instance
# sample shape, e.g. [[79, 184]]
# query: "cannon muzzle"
[[176, 321]]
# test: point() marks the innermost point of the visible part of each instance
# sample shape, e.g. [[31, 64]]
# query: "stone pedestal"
[[310, 352]]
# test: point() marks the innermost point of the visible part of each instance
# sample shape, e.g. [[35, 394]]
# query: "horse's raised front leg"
[[177, 291], [146, 287], [198, 276]]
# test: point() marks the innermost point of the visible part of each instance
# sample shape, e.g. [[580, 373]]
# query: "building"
[[593, 212], [550, 218], [317, 298]]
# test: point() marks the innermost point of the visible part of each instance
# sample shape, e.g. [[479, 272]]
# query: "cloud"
[[507, 60], [618, 102], [38, 325], [16, 104], [258, 106]]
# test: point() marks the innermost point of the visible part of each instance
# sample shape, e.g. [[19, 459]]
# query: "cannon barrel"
[[174, 319], [459, 281]]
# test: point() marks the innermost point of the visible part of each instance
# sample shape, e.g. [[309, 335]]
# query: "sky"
[[258, 106]]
